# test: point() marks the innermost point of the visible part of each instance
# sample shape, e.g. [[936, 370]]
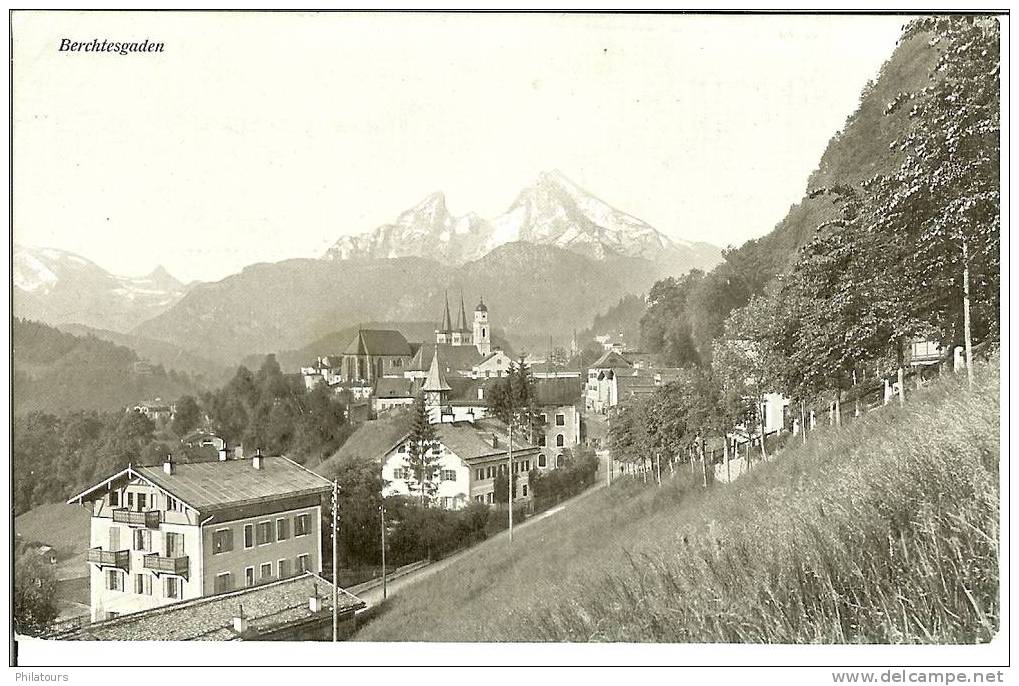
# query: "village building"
[[298, 608], [560, 402], [470, 455], [495, 365], [600, 391], [373, 354], [157, 410], [392, 392], [173, 532], [477, 333], [201, 438]]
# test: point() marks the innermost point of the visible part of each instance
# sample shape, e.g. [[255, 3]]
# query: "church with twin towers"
[[478, 333]]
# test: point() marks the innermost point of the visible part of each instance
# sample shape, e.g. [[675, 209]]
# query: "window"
[[400, 473], [541, 440], [112, 615], [130, 500], [560, 440], [264, 533], [171, 503], [541, 460], [143, 584], [402, 448], [527, 465], [559, 460], [171, 587], [249, 576], [301, 525], [265, 572], [449, 475], [249, 535], [222, 583], [302, 564], [142, 502], [525, 489], [560, 420], [282, 530], [544, 418], [174, 544], [284, 568], [491, 498], [479, 474], [114, 498], [114, 580], [142, 539], [222, 541], [490, 472]]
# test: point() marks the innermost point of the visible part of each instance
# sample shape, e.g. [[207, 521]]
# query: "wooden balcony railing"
[[167, 565], [149, 519], [109, 558]]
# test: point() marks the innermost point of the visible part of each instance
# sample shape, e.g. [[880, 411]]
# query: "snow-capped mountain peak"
[[552, 211]]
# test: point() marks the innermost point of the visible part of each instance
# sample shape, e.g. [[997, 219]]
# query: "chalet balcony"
[[177, 566], [109, 558], [149, 520]]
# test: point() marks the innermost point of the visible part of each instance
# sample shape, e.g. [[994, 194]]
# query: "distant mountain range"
[[556, 258], [59, 287], [553, 211]]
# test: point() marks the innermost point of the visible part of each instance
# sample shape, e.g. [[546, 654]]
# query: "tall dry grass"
[[883, 531]]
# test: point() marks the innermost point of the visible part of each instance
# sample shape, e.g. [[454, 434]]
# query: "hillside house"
[[600, 391], [173, 532], [495, 365], [470, 456], [392, 392], [157, 410]]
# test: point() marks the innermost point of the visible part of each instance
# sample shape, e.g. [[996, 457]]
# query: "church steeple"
[[445, 331]]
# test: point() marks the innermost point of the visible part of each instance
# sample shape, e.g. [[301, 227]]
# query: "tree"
[[421, 456], [34, 592], [186, 416]]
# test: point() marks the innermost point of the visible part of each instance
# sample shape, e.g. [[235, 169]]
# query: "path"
[[373, 596]]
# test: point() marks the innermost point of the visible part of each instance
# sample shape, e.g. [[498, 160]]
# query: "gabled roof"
[[369, 441], [609, 360], [208, 486], [470, 441], [378, 342], [268, 608], [436, 380], [453, 358]]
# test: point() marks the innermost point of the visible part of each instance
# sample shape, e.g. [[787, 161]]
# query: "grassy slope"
[[883, 531]]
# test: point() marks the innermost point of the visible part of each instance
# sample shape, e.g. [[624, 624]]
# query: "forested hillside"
[[57, 371], [686, 315]]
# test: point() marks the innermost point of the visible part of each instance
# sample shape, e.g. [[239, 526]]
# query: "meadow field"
[[882, 531]]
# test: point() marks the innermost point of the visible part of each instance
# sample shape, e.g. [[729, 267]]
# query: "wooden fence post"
[[902, 387]]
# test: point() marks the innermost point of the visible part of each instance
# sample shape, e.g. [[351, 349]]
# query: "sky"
[[258, 137]]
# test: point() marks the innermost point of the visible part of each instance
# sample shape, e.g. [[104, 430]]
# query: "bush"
[[577, 473]]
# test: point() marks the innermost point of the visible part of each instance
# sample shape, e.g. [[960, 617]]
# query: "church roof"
[[461, 323], [378, 342], [453, 358], [481, 306], [436, 380], [447, 325]]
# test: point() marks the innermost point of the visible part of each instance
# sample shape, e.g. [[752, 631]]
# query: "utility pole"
[[382, 510], [336, 567], [509, 479]]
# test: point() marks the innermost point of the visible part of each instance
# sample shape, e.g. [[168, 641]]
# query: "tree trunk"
[[967, 324], [658, 463], [725, 457], [509, 480], [838, 408], [764, 452], [902, 386], [803, 423]]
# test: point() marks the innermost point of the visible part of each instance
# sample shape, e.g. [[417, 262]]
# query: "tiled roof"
[[368, 442], [395, 387], [453, 358], [212, 485], [266, 607], [473, 440], [378, 342], [609, 360]]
